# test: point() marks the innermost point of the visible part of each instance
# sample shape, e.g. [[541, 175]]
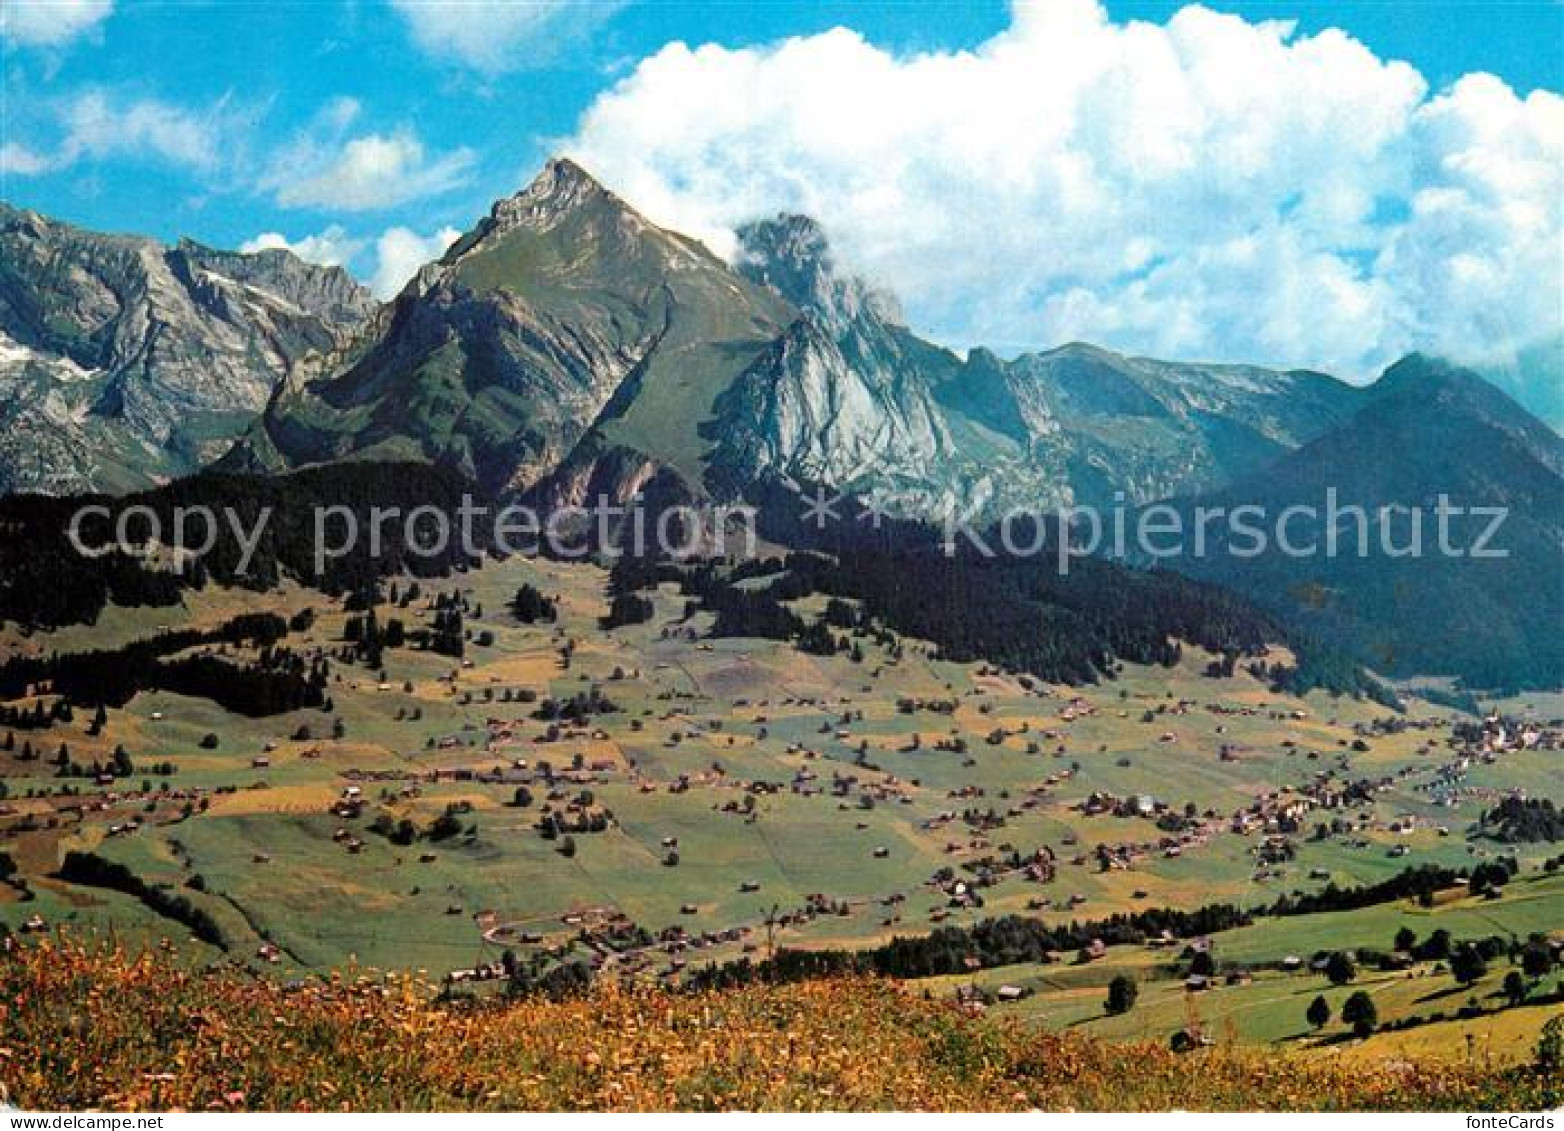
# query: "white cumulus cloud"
[[331, 247], [19, 160], [493, 36], [50, 23], [100, 123], [385, 262], [400, 252], [377, 171], [1202, 188], [327, 166]]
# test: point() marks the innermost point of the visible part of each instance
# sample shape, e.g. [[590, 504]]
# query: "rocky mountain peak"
[[562, 187], [559, 187], [1424, 374], [981, 357], [126, 361], [278, 277], [792, 255], [562, 190], [1429, 389], [1427, 383]]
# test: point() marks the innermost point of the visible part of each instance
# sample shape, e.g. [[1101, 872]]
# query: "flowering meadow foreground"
[[90, 1026]]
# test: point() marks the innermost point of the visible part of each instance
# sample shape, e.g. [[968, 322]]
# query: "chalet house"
[[487, 972]]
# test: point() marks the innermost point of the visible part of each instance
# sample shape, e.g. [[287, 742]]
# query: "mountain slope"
[[568, 348], [124, 362], [845, 396], [1535, 378], [852, 398], [1151, 429], [1428, 430], [563, 311]]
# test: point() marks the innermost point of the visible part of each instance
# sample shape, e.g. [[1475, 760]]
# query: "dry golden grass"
[[83, 1025]]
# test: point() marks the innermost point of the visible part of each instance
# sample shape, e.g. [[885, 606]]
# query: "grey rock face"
[[849, 397], [124, 362], [792, 255], [564, 326], [567, 345], [845, 396]]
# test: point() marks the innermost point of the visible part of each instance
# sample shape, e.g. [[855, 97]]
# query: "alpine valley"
[[566, 349], [1307, 802], [124, 363]]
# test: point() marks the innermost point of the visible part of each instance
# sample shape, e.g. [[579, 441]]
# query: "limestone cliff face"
[[124, 362], [846, 397], [851, 398], [567, 347], [563, 325]]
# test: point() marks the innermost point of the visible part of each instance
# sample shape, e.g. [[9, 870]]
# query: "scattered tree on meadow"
[[529, 606], [1319, 1012], [1340, 968], [1467, 965], [1361, 1013], [1536, 959], [1122, 992]]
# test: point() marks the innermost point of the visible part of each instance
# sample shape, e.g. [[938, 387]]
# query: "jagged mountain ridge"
[[567, 348], [1427, 430], [562, 313], [125, 362], [852, 398]]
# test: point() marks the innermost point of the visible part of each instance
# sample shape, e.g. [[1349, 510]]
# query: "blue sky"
[[276, 61], [333, 126]]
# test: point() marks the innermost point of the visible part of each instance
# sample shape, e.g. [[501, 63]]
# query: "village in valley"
[[503, 794]]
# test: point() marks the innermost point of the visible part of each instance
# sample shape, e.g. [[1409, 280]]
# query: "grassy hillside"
[[106, 1028], [1417, 1007], [1429, 432], [841, 797]]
